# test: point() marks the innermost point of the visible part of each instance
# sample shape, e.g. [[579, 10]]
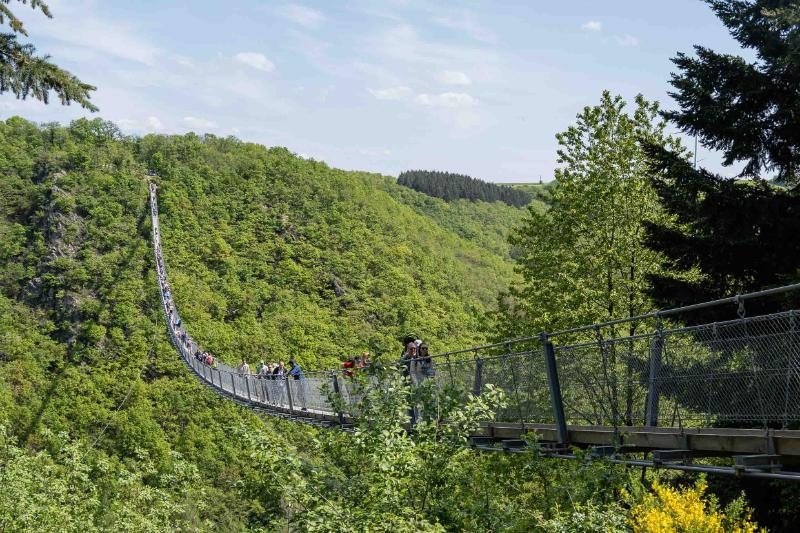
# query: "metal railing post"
[[265, 385], [289, 395], [338, 393], [654, 383], [555, 390], [233, 384], [247, 384], [478, 384]]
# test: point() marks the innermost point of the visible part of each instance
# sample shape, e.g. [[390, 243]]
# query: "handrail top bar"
[[653, 314], [686, 308]]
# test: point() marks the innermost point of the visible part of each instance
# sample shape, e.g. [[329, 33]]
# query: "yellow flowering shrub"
[[689, 509]]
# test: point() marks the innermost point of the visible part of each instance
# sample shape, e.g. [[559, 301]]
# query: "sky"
[[466, 86]]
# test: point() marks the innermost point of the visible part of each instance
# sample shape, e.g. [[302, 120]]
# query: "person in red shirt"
[[349, 366]]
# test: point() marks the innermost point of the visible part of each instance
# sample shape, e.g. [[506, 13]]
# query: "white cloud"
[[392, 93], [454, 77], [452, 100], [626, 40], [302, 15], [200, 123], [151, 124], [255, 60], [403, 44], [592, 25]]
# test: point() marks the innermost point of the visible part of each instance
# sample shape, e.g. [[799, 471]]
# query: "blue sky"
[[467, 86]]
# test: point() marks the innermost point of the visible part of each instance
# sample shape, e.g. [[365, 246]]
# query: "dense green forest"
[[270, 256], [274, 256], [449, 186]]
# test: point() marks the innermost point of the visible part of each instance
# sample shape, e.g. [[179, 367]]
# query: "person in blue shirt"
[[297, 373]]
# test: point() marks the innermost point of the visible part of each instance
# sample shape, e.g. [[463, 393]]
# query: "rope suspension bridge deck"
[[659, 394]]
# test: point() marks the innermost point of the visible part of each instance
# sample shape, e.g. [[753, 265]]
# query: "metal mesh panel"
[[743, 370], [605, 382]]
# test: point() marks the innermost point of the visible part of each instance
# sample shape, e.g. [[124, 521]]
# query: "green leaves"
[[584, 260]]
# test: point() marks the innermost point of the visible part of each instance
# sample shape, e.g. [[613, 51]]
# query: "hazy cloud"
[[454, 77], [200, 123], [592, 25], [302, 15], [467, 23], [151, 124], [99, 36], [255, 60], [392, 93], [452, 100], [626, 40]]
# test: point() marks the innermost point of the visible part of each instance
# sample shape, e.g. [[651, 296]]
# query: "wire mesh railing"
[[743, 372]]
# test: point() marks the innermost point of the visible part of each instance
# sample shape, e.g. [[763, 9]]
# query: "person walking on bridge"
[[278, 382]]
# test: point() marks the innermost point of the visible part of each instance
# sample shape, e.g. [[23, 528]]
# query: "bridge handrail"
[[740, 370]]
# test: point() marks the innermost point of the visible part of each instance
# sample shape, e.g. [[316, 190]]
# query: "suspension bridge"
[[642, 391]]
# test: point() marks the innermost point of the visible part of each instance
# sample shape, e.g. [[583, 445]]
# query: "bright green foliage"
[[583, 260], [487, 224], [271, 256], [254, 239], [25, 74]]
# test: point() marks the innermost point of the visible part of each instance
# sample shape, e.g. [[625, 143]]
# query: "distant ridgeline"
[[448, 186]]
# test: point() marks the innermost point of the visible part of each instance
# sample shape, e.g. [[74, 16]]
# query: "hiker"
[[349, 366], [279, 375], [244, 368], [297, 373], [426, 363]]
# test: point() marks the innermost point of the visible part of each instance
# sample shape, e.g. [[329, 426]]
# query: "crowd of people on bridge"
[[355, 364], [417, 362], [272, 371]]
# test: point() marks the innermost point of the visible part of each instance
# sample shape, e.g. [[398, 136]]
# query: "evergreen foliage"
[[25, 74], [726, 236], [449, 186], [748, 110], [729, 236]]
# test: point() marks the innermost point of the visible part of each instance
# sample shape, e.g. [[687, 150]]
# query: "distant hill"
[[449, 186], [538, 191]]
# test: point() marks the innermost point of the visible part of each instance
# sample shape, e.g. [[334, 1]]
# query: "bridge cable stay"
[[733, 386]]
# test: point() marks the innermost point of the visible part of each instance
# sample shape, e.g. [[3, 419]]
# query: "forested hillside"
[[270, 256], [487, 224], [450, 186]]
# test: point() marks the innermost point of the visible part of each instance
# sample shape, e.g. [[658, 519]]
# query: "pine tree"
[[733, 236], [748, 110], [25, 74], [449, 186], [727, 237]]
